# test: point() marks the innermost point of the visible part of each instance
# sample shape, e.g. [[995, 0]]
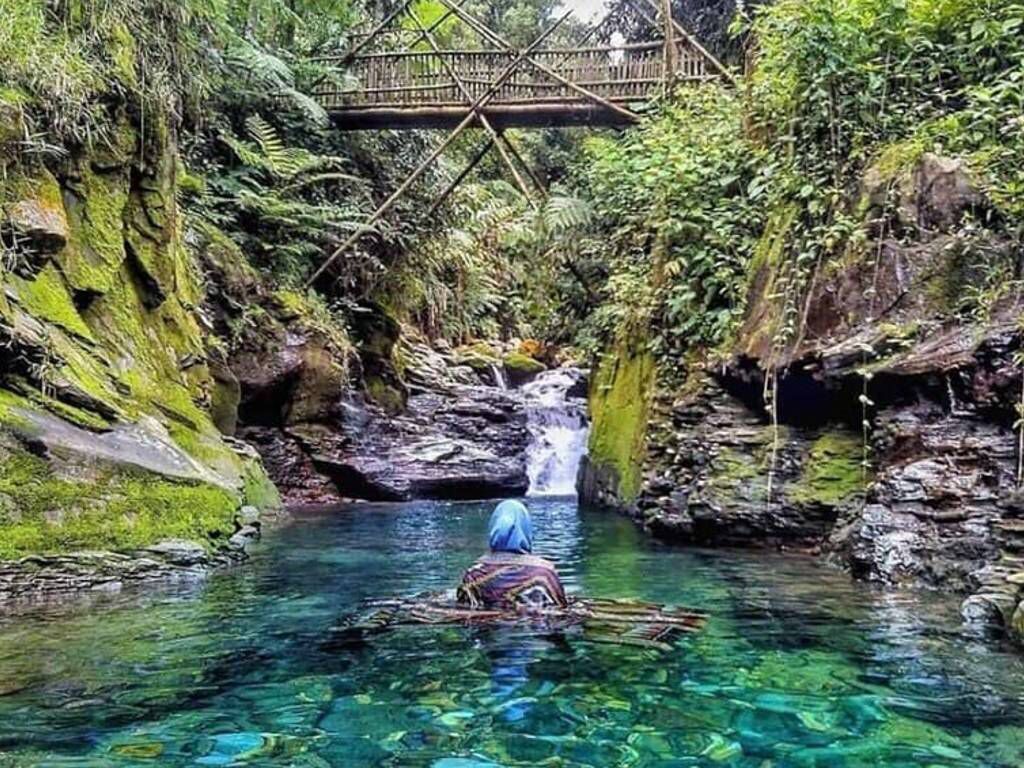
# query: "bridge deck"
[[415, 89]]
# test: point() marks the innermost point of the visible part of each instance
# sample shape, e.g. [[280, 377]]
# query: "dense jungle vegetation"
[[654, 227]]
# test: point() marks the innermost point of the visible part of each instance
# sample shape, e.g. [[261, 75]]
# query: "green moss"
[[121, 46], [311, 311], [146, 346], [87, 372], [479, 356], [9, 417], [257, 489], [832, 472], [763, 313], [730, 469], [47, 298], [95, 252], [118, 511], [36, 400], [206, 446], [900, 156], [619, 404], [385, 395], [520, 363]]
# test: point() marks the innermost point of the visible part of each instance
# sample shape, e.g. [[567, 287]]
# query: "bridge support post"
[[515, 153], [474, 161], [670, 45]]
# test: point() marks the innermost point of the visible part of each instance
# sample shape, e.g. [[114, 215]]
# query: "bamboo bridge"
[[421, 89], [398, 75]]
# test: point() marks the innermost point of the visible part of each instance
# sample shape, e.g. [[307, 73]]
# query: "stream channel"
[[797, 666]]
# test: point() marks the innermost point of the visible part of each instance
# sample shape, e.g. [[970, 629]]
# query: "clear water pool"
[[797, 667]]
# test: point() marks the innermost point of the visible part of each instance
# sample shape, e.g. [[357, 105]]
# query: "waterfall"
[[499, 377], [558, 432]]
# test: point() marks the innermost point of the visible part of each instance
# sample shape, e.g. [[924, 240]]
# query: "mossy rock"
[[34, 208], [46, 297], [377, 334], [54, 511], [12, 125], [763, 315], [389, 397], [95, 204], [225, 398], [480, 356], [520, 368], [620, 398], [258, 490], [833, 472]]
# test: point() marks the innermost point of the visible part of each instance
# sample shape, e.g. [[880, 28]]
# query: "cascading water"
[[498, 373], [558, 432]]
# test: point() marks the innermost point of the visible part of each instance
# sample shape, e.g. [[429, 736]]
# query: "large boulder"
[[466, 443]]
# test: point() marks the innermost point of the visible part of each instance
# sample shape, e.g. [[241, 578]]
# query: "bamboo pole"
[[474, 161], [480, 115], [681, 31], [484, 30], [437, 23], [422, 167], [515, 153], [669, 44]]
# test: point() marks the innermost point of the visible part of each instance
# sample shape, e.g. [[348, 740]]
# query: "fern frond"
[[309, 108], [273, 148], [260, 64], [245, 151]]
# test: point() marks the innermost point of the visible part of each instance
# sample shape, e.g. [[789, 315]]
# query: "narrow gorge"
[[724, 297]]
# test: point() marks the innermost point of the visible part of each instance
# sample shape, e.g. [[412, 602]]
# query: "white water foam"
[[558, 433]]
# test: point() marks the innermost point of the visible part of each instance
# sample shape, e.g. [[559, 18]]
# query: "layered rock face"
[[892, 448], [106, 387], [385, 417]]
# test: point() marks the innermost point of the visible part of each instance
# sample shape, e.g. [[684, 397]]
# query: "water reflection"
[[797, 667]]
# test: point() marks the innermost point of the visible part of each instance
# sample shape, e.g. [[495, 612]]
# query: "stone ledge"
[[39, 578]]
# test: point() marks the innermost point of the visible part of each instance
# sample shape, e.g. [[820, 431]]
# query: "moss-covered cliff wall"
[[620, 398], [107, 439], [884, 434]]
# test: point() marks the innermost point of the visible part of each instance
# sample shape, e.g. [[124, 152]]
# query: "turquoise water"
[[797, 667]]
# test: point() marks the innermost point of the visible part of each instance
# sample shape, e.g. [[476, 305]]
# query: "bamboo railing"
[[421, 79]]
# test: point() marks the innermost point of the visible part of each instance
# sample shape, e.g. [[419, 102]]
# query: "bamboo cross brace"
[[376, 30], [485, 31], [437, 23], [515, 153], [480, 115], [485, 97], [474, 161]]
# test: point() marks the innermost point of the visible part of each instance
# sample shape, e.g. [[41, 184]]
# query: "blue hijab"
[[510, 529]]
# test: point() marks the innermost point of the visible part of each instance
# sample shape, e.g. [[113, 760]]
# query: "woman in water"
[[510, 576]]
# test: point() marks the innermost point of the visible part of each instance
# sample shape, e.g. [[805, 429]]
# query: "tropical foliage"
[[836, 86]]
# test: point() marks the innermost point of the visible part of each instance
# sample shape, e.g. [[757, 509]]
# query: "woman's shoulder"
[[516, 558]]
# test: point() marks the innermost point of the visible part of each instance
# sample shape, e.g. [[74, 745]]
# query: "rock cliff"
[[107, 381], [884, 435]]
